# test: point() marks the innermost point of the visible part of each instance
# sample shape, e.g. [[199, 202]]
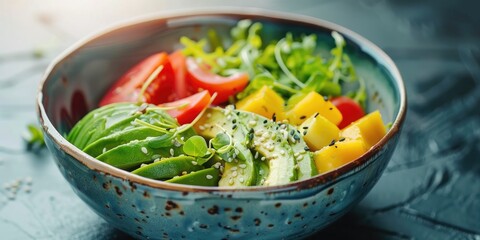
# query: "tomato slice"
[[351, 110], [128, 87], [195, 104], [177, 59], [201, 78]]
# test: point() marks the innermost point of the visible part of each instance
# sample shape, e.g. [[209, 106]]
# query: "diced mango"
[[370, 128], [265, 102], [311, 104], [318, 132], [338, 154]]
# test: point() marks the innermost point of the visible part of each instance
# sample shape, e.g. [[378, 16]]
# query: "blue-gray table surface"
[[430, 189]]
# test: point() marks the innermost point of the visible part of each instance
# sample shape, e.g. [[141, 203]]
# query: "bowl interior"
[[79, 80]]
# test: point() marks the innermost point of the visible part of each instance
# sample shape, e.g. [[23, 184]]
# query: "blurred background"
[[430, 190]]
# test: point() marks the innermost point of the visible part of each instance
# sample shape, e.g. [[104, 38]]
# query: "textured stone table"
[[430, 190]]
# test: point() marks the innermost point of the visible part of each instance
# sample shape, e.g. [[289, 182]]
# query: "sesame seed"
[[263, 158], [172, 152], [104, 150], [209, 115], [201, 127], [144, 150], [234, 173], [241, 179], [209, 176], [234, 168], [143, 165], [194, 163], [230, 181], [256, 155], [252, 123], [156, 160], [242, 165]]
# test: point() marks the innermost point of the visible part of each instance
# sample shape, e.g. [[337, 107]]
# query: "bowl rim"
[[330, 177]]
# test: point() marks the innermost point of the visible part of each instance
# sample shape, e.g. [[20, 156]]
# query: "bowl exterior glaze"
[[148, 212], [151, 209]]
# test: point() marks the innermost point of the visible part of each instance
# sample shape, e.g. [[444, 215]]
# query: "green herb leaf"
[[34, 137], [195, 146], [221, 140]]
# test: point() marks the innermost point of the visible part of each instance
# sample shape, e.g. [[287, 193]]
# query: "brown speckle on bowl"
[[330, 191], [169, 205], [204, 226], [235, 217], [277, 205], [213, 210], [133, 187], [146, 194], [118, 191], [106, 186], [257, 221], [238, 210]]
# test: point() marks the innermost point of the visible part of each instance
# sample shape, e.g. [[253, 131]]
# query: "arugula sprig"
[[292, 66]]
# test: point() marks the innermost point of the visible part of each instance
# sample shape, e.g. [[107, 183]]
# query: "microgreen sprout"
[[148, 82]]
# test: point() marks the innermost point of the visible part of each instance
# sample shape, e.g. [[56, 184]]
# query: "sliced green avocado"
[[83, 130], [305, 162], [122, 137], [169, 167], [274, 146], [240, 171], [88, 121], [131, 155], [111, 119], [205, 177]]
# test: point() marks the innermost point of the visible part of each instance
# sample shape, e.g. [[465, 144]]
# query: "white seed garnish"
[[209, 176], [144, 150]]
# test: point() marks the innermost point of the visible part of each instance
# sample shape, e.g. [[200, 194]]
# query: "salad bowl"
[[144, 208]]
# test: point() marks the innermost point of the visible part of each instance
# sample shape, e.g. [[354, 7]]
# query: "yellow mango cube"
[[370, 128], [265, 102], [311, 104], [318, 132], [338, 154]]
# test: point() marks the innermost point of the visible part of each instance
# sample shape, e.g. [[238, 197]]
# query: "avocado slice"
[[305, 163], [268, 140], [240, 171], [205, 177], [118, 138], [169, 167]]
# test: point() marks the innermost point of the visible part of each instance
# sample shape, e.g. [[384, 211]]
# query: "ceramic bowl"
[[145, 208]]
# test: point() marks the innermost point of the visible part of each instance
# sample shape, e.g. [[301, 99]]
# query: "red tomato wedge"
[[194, 105], [177, 59], [351, 110], [128, 87], [201, 78]]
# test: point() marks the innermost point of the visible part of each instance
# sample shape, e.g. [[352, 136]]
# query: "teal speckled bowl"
[[145, 208]]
